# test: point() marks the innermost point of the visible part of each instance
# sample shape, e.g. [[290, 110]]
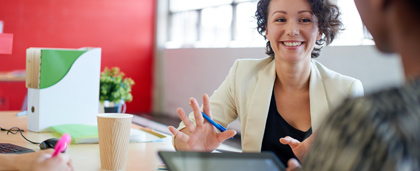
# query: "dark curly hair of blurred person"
[[377, 132], [328, 22]]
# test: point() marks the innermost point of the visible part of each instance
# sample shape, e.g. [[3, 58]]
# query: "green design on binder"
[[55, 64]]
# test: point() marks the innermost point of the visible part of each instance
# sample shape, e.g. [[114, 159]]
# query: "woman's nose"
[[292, 29]]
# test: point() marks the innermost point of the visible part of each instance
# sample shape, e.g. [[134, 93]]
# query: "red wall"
[[124, 29]]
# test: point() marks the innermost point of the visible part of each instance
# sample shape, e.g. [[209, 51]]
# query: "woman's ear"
[[266, 31]]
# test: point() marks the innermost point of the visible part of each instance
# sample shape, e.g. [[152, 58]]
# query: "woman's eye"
[[280, 20], [305, 20]]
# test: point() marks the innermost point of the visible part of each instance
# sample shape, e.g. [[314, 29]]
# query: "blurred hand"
[[42, 161], [202, 136], [300, 149], [293, 165]]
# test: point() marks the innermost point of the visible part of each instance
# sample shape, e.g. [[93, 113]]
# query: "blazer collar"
[[258, 109], [317, 96]]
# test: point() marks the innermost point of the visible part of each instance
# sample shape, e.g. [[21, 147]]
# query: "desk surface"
[[142, 156]]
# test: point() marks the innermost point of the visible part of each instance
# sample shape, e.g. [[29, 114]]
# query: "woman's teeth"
[[292, 43]]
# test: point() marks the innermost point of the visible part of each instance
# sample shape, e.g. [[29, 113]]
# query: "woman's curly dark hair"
[[328, 22]]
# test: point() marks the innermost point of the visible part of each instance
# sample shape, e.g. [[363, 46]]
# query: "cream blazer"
[[246, 93]]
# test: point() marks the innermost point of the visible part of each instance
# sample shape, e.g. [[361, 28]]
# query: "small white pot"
[[111, 107]]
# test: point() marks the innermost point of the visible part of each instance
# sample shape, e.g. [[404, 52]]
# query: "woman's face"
[[292, 29]]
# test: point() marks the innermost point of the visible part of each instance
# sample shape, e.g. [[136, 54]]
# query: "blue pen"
[[218, 126]]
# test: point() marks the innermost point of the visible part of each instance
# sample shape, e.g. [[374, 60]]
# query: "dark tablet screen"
[[203, 161]]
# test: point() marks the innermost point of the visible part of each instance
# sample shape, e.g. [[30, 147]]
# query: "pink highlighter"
[[62, 144]]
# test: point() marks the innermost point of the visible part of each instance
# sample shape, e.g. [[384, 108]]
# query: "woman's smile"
[[292, 44]]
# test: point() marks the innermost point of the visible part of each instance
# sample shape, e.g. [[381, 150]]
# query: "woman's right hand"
[[42, 161], [202, 136]]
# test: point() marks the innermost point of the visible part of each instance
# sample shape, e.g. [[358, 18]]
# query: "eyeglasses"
[[15, 130]]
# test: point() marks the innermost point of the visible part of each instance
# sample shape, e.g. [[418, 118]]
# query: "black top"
[[276, 128]]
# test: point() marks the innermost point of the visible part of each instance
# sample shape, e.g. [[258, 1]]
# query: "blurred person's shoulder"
[[390, 100]]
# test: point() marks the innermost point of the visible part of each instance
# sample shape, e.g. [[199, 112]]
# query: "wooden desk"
[[85, 157]]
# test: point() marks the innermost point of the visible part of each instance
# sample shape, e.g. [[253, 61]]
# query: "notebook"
[[205, 161]]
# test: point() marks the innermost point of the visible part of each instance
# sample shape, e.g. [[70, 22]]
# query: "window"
[[231, 23], [215, 24], [355, 32]]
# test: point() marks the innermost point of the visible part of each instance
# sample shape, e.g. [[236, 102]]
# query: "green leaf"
[[114, 86]]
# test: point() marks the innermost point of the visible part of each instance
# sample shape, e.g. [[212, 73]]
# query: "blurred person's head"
[[380, 131], [325, 16], [382, 17], [395, 28]]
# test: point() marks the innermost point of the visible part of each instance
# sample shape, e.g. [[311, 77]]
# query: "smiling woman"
[[285, 94]]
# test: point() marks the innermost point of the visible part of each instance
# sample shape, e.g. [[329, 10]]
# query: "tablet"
[[204, 161]]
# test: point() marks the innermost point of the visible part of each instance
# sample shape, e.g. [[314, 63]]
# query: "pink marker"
[[62, 144]]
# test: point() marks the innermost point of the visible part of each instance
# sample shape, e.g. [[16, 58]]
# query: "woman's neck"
[[293, 76]]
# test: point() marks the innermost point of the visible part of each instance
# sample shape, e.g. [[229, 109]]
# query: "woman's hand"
[[300, 149], [202, 136], [42, 160]]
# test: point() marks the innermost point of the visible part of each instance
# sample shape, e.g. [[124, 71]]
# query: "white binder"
[[72, 99]]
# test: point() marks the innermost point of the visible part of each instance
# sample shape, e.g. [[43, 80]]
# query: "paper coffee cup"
[[114, 137]]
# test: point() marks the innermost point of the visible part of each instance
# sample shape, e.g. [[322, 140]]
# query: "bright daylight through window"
[[231, 23]]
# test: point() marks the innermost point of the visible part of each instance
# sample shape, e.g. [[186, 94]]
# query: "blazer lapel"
[[258, 109], [317, 97]]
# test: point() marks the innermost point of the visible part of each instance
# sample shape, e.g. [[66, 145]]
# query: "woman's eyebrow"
[[303, 11], [283, 12]]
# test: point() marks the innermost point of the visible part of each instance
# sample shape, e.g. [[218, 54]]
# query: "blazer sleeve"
[[356, 89]]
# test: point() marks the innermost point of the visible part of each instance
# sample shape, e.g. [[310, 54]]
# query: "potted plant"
[[114, 90]]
